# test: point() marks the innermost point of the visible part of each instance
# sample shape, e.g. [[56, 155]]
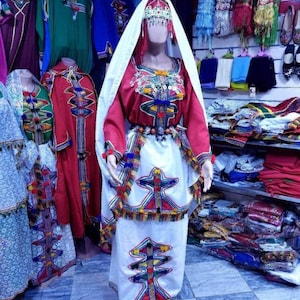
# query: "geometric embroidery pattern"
[[157, 183], [149, 267]]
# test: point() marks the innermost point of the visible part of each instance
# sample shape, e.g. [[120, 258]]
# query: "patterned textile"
[[37, 116], [163, 108], [52, 245], [53, 250], [265, 20], [5, 14], [15, 248], [223, 18], [204, 23], [77, 196]]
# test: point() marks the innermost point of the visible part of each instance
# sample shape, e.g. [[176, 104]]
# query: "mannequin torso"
[[68, 62], [27, 82]]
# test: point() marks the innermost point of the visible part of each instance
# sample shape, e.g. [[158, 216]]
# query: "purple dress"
[[19, 37]]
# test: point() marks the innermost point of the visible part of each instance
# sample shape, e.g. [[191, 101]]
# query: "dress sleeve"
[[114, 127], [195, 121]]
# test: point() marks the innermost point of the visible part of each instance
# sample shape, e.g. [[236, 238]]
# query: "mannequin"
[[52, 246], [15, 238], [151, 168], [69, 62], [77, 195], [27, 82]]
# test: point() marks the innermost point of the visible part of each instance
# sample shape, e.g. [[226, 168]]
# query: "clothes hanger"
[[244, 52], [229, 53], [210, 54], [262, 51]]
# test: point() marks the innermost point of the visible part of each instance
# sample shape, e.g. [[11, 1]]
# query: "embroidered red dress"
[[77, 196]]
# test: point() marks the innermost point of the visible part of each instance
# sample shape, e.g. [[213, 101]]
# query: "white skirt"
[[148, 257], [132, 235]]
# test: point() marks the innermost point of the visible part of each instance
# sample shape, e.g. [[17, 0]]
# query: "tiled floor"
[[206, 277]]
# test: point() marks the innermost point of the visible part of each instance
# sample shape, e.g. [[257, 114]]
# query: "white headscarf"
[[119, 63]]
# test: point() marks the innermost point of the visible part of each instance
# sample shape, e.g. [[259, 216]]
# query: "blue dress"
[[15, 237]]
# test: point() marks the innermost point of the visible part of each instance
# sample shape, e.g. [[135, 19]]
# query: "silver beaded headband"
[[157, 13]]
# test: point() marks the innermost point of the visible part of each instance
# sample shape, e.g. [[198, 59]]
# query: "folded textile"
[[225, 208], [208, 70], [291, 277], [266, 218], [261, 73], [240, 68], [263, 206], [261, 227], [223, 75]]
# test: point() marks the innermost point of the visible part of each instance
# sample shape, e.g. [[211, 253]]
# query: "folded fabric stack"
[[240, 168], [258, 235], [281, 173], [264, 217], [256, 121], [277, 255]]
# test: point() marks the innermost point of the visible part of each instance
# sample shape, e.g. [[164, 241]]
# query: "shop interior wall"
[[283, 90]]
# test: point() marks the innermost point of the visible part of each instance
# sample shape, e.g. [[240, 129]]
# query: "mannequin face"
[[157, 32], [25, 73]]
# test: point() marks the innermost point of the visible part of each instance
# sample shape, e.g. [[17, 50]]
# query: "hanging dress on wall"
[[69, 30], [20, 38]]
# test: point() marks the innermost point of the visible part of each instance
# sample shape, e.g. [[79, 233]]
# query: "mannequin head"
[[157, 32], [156, 27], [26, 79]]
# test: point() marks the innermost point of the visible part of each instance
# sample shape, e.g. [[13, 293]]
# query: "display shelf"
[[218, 140], [250, 191]]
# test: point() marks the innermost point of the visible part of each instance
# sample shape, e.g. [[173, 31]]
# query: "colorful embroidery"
[[37, 116], [162, 88], [75, 6], [81, 104], [121, 15], [151, 259], [156, 183]]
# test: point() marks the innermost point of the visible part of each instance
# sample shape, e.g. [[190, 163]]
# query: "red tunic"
[[77, 195], [131, 105]]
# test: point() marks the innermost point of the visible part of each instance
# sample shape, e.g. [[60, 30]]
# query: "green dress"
[[66, 25]]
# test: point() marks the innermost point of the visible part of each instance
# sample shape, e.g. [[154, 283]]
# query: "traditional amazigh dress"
[[15, 238], [20, 38], [69, 31], [146, 216], [77, 196], [53, 249]]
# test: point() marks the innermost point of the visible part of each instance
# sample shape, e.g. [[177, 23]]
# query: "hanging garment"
[[16, 160], [5, 14], [69, 30], [20, 45], [242, 19], [223, 18], [204, 23], [77, 195], [265, 21]]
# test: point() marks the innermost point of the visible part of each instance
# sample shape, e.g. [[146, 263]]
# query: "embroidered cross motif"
[[149, 265], [157, 183]]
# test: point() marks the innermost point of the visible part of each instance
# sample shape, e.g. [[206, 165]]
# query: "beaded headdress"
[[157, 11]]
